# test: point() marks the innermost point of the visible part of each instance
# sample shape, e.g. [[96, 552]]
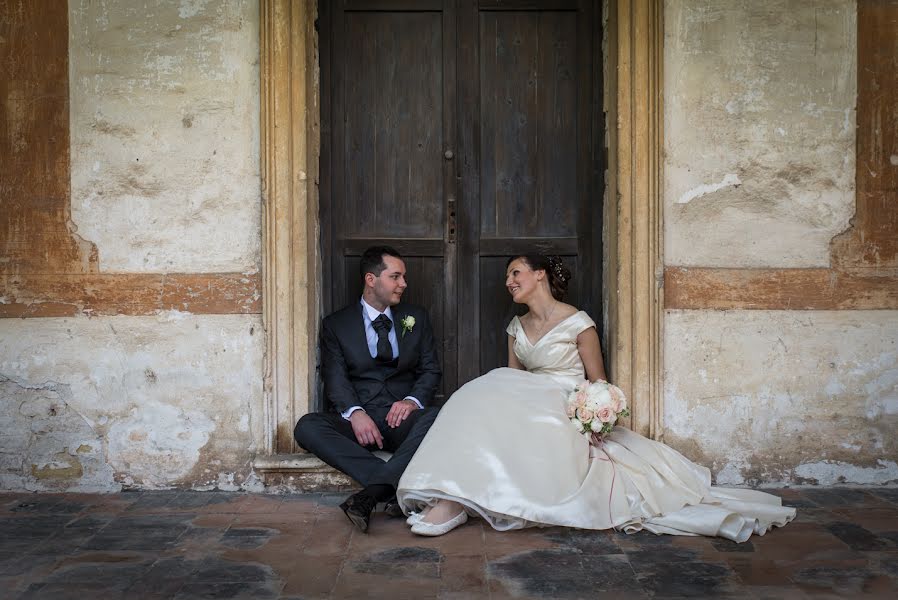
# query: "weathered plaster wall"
[[94, 404], [759, 130], [784, 396], [760, 152], [164, 127], [165, 133]]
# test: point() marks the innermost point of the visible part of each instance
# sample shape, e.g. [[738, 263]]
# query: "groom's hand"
[[366, 432], [399, 412]]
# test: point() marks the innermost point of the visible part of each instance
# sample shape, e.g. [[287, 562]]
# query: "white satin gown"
[[504, 448]]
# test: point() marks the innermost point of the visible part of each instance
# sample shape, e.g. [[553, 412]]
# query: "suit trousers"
[[330, 437]]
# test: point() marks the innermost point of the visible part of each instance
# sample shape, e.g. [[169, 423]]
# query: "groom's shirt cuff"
[[415, 400], [349, 411]]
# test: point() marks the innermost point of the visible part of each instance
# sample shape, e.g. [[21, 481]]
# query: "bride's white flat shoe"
[[429, 529], [413, 518]]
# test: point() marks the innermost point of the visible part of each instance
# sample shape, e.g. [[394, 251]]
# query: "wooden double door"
[[462, 133]]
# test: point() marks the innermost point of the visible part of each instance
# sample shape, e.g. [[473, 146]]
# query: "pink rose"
[[618, 400], [571, 410], [606, 414], [585, 415], [581, 397]]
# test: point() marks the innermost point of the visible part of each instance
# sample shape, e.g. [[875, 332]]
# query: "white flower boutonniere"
[[408, 323]]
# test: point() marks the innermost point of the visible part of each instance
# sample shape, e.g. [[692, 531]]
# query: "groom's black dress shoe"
[[392, 508], [358, 508]]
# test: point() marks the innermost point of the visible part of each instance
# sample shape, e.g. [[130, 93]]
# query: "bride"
[[503, 448]]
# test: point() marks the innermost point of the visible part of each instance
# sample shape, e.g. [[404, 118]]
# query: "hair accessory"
[[557, 267]]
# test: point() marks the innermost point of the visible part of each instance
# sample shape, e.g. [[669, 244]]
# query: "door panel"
[[392, 139], [528, 116]]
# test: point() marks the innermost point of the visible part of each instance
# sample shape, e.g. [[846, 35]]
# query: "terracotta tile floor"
[[184, 545]]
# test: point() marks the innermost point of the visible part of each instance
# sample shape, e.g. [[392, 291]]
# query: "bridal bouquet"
[[594, 408]]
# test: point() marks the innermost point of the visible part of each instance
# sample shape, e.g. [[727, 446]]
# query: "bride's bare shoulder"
[[565, 310]]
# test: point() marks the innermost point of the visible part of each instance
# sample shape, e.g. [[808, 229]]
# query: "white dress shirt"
[[369, 313]]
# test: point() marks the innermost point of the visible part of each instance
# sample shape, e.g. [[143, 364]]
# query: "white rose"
[[599, 394]]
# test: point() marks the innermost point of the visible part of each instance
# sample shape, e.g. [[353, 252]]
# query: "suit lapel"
[[357, 331]]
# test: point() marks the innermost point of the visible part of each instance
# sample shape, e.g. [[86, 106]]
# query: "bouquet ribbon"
[[596, 441]]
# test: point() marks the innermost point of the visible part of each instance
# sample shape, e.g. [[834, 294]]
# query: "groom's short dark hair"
[[373, 259]]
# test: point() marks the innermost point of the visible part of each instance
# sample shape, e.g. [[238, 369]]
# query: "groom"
[[380, 369]]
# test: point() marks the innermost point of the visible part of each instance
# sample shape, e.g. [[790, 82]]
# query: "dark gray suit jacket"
[[353, 378]]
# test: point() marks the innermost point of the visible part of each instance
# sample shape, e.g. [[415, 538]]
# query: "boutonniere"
[[408, 323]]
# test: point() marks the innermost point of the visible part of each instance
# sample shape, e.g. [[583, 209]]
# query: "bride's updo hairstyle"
[[558, 274]]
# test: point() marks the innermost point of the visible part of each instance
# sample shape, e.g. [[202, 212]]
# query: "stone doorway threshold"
[[303, 472]]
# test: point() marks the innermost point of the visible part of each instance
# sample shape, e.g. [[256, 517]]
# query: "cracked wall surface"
[[47, 444], [165, 133], [134, 190], [149, 402], [784, 397], [759, 127], [160, 163], [760, 154]]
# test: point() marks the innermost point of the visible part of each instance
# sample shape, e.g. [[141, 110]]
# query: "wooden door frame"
[[291, 264]]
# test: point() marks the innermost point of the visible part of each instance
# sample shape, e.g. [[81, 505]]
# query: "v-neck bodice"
[[555, 353]]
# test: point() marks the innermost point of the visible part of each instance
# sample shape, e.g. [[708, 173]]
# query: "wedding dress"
[[504, 448]]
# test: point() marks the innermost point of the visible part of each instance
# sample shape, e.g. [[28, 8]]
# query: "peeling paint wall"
[[150, 402], [759, 131], [47, 444], [783, 396], [760, 153], [165, 133], [163, 112]]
